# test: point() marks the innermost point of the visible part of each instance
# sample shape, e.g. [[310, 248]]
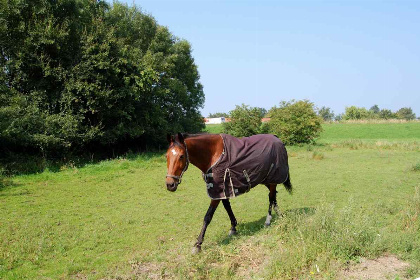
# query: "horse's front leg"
[[207, 220], [233, 222]]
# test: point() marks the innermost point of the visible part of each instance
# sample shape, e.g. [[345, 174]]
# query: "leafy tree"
[[245, 121], [386, 114], [295, 122], [405, 113], [263, 111], [338, 117], [219, 115], [326, 113], [357, 113], [77, 73], [374, 109]]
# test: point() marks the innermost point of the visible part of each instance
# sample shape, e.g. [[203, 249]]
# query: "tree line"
[[361, 113], [297, 122], [81, 74]]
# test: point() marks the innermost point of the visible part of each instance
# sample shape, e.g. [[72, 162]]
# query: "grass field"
[[356, 194]]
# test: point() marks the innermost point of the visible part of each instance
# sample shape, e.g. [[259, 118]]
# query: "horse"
[[230, 167]]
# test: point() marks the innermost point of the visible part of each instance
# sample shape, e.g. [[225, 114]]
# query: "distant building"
[[214, 120], [223, 120]]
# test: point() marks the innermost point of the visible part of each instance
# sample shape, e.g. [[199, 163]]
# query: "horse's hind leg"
[[272, 198], [233, 222]]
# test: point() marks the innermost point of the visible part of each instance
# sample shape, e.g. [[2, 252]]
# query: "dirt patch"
[[385, 267], [149, 271]]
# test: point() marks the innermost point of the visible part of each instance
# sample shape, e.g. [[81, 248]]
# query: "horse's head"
[[177, 161]]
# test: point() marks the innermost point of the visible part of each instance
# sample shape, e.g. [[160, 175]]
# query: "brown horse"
[[260, 159]]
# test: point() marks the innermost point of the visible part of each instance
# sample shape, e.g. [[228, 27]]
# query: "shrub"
[[295, 122], [357, 113], [245, 121], [406, 113]]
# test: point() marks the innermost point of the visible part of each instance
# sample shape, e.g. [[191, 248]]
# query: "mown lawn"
[[115, 220]]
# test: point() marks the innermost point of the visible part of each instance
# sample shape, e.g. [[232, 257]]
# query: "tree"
[[338, 117], [295, 122], [386, 114], [245, 121], [326, 113], [405, 113], [356, 113], [263, 111], [374, 109], [79, 73]]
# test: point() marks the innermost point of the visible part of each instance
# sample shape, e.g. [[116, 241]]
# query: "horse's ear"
[[180, 137], [170, 138]]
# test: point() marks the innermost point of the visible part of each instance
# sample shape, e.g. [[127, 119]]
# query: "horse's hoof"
[[267, 224], [196, 250], [233, 232], [268, 221]]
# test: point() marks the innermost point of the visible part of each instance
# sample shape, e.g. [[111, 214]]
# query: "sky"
[[333, 53]]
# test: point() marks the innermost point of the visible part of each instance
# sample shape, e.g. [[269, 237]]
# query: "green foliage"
[[263, 111], [406, 114], [386, 114], [326, 113], [357, 113], [360, 113], [78, 72], [295, 122], [245, 121], [374, 109]]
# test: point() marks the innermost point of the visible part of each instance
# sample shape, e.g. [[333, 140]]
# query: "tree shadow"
[[251, 228]]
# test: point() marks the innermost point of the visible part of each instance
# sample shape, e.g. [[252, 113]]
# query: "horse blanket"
[[245, 163]]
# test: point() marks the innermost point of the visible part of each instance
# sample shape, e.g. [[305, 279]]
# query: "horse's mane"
[[192, 135]]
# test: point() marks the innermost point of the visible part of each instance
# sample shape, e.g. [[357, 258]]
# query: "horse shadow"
[[251, 228]]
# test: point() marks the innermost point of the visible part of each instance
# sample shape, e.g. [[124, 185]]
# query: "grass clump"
[[317, 155], [416, 167]]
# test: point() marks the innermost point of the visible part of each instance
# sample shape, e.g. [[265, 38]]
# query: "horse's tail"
[[287, 184]]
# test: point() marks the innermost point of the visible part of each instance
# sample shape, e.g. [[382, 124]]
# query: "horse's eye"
[[181, 157]]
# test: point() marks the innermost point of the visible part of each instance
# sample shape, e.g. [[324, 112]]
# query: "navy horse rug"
[[245, 163]]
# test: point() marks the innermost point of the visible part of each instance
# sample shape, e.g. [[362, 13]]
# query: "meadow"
[[356, 195]]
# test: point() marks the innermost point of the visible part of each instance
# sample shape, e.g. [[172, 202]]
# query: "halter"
[[179, 178]]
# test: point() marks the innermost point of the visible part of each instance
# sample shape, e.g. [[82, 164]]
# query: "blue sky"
[[334, 53]]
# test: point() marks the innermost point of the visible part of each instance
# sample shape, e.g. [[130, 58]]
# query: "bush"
[[295, 122], [356, 113], [245, 121], [406, 114]]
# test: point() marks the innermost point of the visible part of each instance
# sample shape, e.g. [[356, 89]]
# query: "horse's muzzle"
[[172, 187]]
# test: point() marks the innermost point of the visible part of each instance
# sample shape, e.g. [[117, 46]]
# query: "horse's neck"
[[204, 150]]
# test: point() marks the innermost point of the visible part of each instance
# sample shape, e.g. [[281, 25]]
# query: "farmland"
[[356, 194]]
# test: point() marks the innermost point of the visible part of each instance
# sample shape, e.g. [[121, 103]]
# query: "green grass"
[[115, 219], [214, 128], [334, 132]]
